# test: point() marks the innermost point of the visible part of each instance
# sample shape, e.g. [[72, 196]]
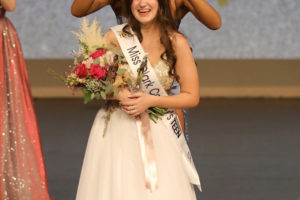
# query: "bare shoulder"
[[110, 37], [179, 42]]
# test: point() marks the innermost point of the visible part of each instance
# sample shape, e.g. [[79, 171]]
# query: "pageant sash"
[[134, 53]]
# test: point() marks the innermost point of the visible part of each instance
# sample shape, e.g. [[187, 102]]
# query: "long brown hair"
[[165, 23]]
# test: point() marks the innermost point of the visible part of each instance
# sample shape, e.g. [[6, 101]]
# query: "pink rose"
[[98, 72], [81, 71], [98, 53]]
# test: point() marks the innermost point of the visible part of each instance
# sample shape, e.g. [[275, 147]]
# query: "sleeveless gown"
[[22, 170], [113, 169], [175, 87]]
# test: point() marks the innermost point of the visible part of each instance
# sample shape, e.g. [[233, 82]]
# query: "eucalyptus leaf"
[[118, 55], [103, 95], [97, 95], [129, 82], [96, 61], [85, 91], [108, 88], [121, 71], [87, 96], [116, 91], [92, 96], [104, 82]]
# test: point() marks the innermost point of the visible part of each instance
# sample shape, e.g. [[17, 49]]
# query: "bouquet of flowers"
[[98, 67]]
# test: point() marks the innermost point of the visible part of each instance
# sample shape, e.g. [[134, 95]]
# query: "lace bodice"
[[161, 70]]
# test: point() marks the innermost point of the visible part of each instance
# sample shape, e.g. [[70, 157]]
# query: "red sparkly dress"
[[22, 170]]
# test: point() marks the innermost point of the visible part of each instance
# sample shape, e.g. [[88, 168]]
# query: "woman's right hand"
[[123, 94]]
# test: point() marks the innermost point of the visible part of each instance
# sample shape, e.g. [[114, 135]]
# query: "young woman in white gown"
[[113, 167], [200, 9]]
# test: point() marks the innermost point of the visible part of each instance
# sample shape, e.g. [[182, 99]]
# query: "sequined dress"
[[22, 170], [113, 168]]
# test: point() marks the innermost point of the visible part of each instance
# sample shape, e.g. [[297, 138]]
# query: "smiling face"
[[145, 11]]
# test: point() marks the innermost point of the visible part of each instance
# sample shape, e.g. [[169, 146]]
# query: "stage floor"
[[244, 149]]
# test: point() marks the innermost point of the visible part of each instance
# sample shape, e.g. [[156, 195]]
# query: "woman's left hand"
[[137, 103]]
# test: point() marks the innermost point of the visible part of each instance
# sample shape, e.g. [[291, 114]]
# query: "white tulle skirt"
[[113, 169]]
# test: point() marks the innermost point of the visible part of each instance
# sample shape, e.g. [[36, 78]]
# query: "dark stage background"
[[244, 149]]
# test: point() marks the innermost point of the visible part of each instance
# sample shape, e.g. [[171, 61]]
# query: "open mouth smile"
[[144, 12]]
